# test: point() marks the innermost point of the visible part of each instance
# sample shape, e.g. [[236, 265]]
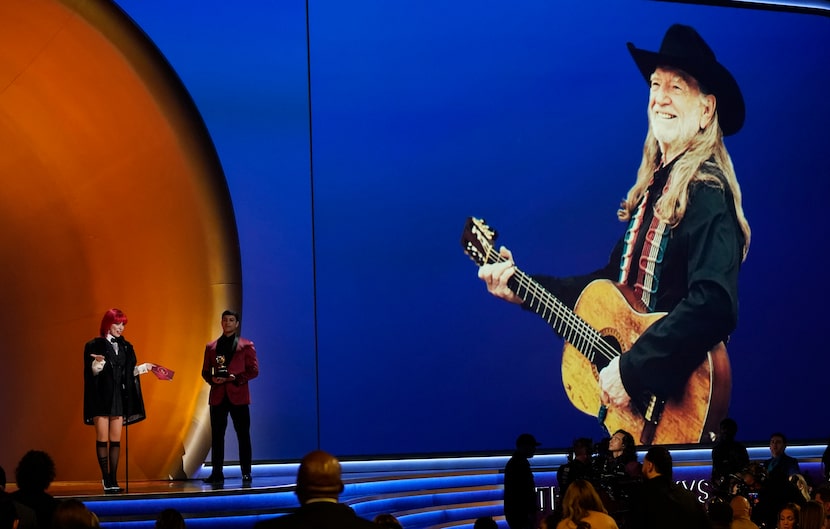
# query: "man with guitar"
[[679, 259]]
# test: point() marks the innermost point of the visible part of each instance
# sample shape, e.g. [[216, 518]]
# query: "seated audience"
[[741, 513], [73, 514], [170, 519], [319, 485], [34, 473], [789, 516], [581, 508]]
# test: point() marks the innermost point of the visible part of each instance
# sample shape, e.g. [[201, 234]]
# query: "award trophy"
[[221, 370]]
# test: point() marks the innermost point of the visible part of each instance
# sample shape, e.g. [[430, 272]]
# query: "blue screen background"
[[357, 138]]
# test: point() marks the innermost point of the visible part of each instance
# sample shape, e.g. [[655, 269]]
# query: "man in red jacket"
[[230, 362]]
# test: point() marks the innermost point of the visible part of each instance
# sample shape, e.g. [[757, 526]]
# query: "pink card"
[[162, 372]]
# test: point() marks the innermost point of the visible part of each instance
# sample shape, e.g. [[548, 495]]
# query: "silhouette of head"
[[526, 444], [318, 476], [728, 429], [740, 507], [657, 461]]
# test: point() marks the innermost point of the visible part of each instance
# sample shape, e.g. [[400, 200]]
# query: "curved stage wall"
[[113, 196]]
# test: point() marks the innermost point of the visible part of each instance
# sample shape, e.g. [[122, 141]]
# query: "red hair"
[[112, 316]]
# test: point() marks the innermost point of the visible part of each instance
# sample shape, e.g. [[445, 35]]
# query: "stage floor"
[[87, 490]]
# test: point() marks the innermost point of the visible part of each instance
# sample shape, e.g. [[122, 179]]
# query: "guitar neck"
[[559, 316]]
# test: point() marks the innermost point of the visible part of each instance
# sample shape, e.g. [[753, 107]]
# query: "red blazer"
[[244, 366]]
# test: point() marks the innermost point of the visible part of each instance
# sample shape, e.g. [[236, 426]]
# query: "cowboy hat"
[[683, 48]]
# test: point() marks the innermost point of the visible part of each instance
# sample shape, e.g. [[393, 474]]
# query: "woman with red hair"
[[112, 392]]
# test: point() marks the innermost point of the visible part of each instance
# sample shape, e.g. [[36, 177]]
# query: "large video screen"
[[357, 138]]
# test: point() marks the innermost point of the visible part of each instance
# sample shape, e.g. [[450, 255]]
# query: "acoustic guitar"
[[606, 320]]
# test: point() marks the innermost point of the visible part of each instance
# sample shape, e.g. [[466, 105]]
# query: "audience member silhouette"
[[777, 489], [752, 481], [8, 514], [617, 473], [825, 463], [578, 465], [720, 514], [73, 514], [319, 485], [486, 522], [789, 516], [780, 463], [729, 457], [34, 473], [551, 520], [800, 483], [812, 515], [582, 508], [822, 495], [662, 503], [387, 521], [741, 513], [24, 515], [170, 519], [519, 485]]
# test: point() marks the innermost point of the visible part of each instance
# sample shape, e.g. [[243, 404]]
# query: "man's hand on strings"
[[496, 275]]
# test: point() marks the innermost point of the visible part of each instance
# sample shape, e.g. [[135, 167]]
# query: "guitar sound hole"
[[604, 355]]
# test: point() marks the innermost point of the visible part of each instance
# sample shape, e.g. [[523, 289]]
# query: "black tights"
[[108, 458]]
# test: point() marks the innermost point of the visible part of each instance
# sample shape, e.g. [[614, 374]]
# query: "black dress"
[[115, 391]]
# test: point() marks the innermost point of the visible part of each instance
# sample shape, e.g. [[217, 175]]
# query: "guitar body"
[[611, 309]]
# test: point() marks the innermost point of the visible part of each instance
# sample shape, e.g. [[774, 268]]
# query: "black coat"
[[662, 504], [319, 515], [100, 389]]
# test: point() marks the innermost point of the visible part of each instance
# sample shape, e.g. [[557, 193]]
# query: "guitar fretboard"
[[559, 316]]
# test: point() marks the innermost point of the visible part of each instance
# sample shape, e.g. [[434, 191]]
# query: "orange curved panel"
[[114, 197]]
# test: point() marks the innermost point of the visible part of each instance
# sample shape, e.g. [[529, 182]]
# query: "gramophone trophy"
[[221, 370]]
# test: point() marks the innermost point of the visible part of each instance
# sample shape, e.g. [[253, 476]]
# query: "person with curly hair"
[[34, 473]]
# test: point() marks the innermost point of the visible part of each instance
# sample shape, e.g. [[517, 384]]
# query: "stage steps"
[[447, 499]]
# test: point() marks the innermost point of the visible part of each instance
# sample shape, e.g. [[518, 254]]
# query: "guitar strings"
[[582, 333]]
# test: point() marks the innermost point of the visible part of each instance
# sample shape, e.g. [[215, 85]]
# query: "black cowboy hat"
[[683, 48]]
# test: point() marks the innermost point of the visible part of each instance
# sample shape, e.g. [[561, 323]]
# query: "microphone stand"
[[126, 393]]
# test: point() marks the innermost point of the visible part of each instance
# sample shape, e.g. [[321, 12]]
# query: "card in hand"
[[162, 372]]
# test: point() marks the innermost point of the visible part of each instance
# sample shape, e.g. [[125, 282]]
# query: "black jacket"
[[318, 515], [100, 389]]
